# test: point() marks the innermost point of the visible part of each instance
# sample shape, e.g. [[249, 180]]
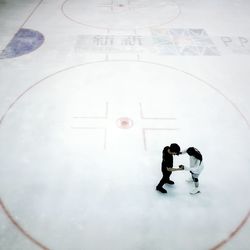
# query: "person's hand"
[[181, 167]]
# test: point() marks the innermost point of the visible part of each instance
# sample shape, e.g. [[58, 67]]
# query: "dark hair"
[[175, 148], [195, 153]]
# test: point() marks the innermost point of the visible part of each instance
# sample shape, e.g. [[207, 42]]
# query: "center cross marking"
[[122, 123]]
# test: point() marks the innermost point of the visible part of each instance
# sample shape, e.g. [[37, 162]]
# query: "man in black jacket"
[[167, 165]]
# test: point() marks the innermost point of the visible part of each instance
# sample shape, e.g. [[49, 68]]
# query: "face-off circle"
[[121, 15], [58, 126]]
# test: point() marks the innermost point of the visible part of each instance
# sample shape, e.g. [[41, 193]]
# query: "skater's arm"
[[183, 152]]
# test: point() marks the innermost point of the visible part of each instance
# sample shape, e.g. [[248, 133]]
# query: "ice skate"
[[195, 191], [170, 182], [161, 189]]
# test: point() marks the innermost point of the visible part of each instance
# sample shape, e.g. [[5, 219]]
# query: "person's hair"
[[175, 148], [195, 153]]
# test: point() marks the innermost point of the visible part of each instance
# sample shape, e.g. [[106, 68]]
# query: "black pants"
[[165, 177]]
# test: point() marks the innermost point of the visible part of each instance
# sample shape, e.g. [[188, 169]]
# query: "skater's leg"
[[196, 182], [162, 181], [190, 179], [196, 190], [159, 187], [167, 177], [166, 173]]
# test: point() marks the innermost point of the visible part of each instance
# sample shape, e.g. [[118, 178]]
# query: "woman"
[[195, 168]]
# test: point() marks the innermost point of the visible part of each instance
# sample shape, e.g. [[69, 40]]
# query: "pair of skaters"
[[195, 167]]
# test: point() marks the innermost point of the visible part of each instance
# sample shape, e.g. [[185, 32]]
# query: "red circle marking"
[[127, 123], [124, 123]]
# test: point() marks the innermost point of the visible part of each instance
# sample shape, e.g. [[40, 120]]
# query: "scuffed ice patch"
[[24, 42]]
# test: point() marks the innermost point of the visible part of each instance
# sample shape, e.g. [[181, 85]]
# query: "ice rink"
[[91, 91]]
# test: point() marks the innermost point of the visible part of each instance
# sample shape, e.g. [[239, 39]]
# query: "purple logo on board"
[[24, 42]]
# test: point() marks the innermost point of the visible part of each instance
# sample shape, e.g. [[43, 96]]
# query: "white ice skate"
[[195, 191]]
